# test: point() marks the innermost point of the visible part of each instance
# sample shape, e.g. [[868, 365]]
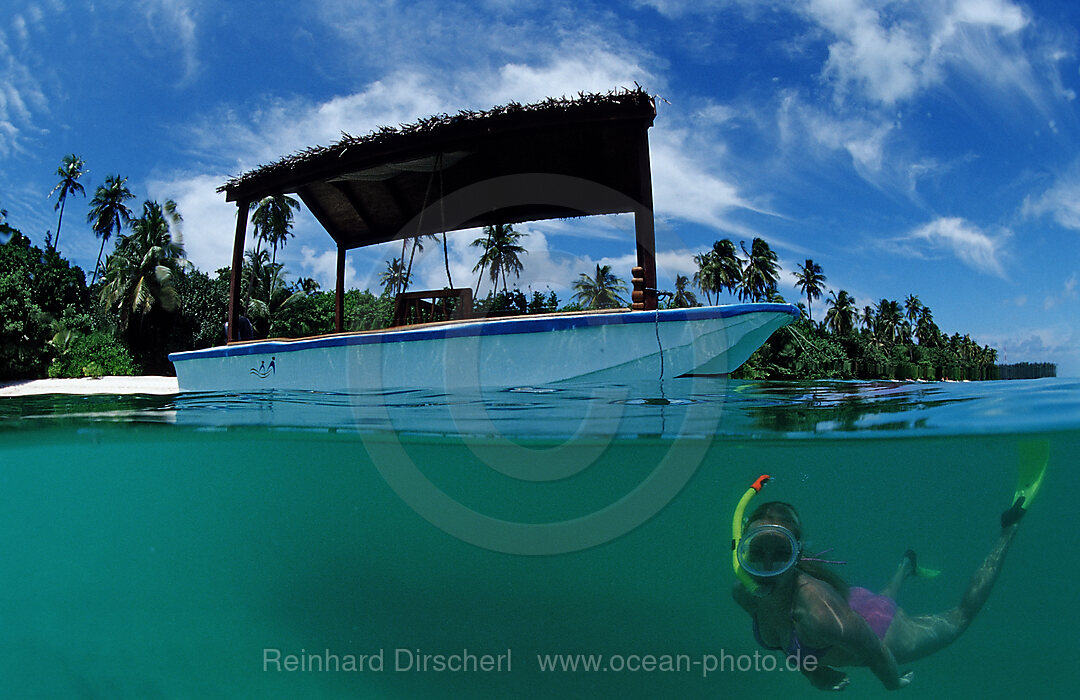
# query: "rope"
[[442, 221], [656, 326]]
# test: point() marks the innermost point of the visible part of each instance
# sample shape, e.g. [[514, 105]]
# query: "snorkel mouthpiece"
[[737, 531]]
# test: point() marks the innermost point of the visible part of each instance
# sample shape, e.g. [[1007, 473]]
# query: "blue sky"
[[921, 147]]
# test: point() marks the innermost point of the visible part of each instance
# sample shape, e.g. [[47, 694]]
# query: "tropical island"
[[145, 300]]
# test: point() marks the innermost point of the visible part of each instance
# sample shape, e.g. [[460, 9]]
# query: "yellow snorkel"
[[737, 531]]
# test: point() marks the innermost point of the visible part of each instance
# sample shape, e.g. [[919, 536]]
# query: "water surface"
[[157, 547]]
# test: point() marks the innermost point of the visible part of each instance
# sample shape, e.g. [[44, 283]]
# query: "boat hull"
[[513, 352]]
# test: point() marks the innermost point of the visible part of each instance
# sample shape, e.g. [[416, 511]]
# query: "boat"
[[559, 158]]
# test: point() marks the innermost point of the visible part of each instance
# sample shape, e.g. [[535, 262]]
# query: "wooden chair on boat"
[[432, 305]]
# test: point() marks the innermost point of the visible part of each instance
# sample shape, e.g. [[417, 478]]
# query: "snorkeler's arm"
[[822, 615], [884, 667], [825, 677], [743, 598]]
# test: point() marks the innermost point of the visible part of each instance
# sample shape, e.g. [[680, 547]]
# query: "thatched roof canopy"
[[373, 188]]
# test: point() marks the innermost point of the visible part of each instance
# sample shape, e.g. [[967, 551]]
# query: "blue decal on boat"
[[264, 370]]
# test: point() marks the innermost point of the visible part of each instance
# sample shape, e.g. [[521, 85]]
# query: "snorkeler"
[[802, 608]]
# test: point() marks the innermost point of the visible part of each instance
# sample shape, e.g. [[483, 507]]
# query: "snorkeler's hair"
[[785, 514], [780, 513]]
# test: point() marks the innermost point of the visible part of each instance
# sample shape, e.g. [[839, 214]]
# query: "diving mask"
[[767, 550]]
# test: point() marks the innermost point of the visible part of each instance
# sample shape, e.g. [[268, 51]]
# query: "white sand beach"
[[101, 385]]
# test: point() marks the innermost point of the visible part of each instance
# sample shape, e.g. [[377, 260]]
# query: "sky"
[[923, 147]]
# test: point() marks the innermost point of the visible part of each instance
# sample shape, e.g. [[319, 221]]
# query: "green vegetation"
[[884, 342], [146, 300]]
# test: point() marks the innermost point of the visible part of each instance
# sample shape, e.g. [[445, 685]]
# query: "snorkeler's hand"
[[905, 679], [827, 678]]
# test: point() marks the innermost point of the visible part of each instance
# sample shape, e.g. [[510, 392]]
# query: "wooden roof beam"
[[361, 211], [312, 203]]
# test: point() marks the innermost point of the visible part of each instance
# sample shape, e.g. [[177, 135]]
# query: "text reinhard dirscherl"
[[400, 660], [403, 660]]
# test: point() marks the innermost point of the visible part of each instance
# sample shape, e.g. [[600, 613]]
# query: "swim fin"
[[1034, 458], [926, 572]]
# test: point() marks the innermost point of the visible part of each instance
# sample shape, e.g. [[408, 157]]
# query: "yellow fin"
[[1034, 458], [925, 572]]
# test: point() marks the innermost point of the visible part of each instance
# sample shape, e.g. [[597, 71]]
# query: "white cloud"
[[888, 51], [579, 68], [882, 61], [862, 138], [321, 265], [18, 23], [1061, 201], [1066, 294], [974, 247], [21, 95], [714, 114], [172, 25], [686, 188], [679, 8]]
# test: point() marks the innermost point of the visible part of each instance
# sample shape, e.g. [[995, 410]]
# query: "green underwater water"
[[156, 548]]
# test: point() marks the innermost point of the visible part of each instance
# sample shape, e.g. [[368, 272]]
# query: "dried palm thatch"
[[445, 126]]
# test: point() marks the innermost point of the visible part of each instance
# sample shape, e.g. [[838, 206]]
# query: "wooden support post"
[[643, 223], [637, 293], [237, 267], [339, 292]]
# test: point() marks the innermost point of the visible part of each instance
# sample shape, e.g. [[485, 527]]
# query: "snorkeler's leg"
[[905, 569], [913, 637]]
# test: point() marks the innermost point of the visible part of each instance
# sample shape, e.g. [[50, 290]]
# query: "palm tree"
[[139, 273], [500, 256], [108, 213], [394, 276], [810, 280], [926, 330], [867, 318], [446, 262], [912, 307], [728, 270], [718, 269], [887, 322], [257, 261], [683, 297], [70, 170], [840, 316], [273, 294], [759, 274], [705, 277], [272, 219], [600, 292]]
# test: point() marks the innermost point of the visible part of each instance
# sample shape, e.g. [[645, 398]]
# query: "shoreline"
[[159, 386]]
